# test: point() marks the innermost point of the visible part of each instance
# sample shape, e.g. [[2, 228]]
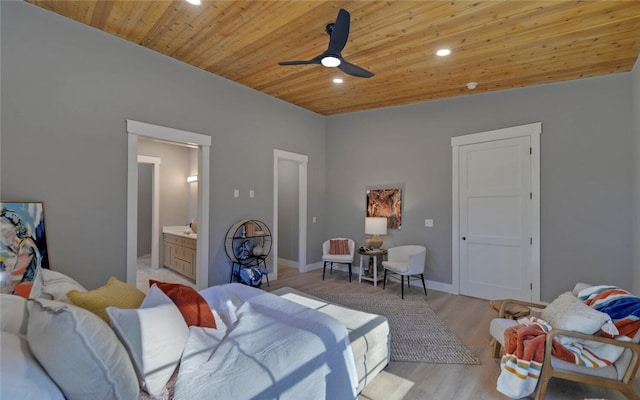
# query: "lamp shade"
[[375, 226]]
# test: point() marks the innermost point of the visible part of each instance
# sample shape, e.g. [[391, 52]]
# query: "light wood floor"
[[467, 317]]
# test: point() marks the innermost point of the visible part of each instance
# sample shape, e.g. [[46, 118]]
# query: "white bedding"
[[265, 347]]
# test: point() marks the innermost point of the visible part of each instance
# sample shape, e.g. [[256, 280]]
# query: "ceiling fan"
[[338, 35]]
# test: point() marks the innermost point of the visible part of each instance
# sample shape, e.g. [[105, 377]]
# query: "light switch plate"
[[428, 223], [236, 193], [314, 220], [252, 194]]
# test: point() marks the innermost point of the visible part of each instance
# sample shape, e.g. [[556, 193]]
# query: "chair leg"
[[497, 349], [324, 268], [349, 272], [402, 286], [384, 280], [423, 285], [331, 270], [409, 281]]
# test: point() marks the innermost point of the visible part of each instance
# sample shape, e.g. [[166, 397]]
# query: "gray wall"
[[66, 92], [145, 200], [635, 84], [586, 173], [288, 210], [68, 88]]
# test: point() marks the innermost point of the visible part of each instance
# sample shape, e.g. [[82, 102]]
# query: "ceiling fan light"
[[330, 61]]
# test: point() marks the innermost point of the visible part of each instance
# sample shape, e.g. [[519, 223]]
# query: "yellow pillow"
[[114, 294]]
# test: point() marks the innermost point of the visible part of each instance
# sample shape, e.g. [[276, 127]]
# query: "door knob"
[[464, 238]]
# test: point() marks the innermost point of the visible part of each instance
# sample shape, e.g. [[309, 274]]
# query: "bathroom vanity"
[[180, 250]]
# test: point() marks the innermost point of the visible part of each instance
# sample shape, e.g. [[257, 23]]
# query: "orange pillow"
[[339, 246], [194, 308]]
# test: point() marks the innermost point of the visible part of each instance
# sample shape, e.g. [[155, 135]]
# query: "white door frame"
[[533, 131], [136, 129], [302, 161], [155, 208]]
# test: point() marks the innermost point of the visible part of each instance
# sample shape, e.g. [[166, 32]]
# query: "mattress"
[[368, 333]]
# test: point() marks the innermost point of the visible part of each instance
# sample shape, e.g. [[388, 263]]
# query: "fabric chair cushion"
[[498, 326], [337, 258], [339, 247], [396, 266]]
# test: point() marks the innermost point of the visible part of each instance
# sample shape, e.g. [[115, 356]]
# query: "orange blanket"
[[526, 342]]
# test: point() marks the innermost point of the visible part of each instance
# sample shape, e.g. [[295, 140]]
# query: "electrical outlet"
[[428, 223], [236, 193]]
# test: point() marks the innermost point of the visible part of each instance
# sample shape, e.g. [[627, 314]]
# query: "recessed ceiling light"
[[443, 52], [472, 85], [194, 2], [337, 80]]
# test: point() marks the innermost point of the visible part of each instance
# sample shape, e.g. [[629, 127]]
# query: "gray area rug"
[[417, 333]]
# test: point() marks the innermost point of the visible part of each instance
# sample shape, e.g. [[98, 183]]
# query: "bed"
[[281, 345]]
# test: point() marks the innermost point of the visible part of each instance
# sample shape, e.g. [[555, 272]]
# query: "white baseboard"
[[311, 267], [441, 287], [433, 285], [287, 263]]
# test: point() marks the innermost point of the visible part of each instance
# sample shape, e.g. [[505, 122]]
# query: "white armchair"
[[405, 261], [338, 253]]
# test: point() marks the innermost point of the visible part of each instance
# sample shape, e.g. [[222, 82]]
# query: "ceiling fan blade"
[[340, 33], [354, 70], [302, 62], [314, 60]]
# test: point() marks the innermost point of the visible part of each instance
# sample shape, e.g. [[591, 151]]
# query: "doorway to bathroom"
[[167, 206], [140, 132]]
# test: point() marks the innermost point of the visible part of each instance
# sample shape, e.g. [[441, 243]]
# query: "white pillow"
[[79, 352], [580, 287], [53, 285], [22, 377], [155, 336], [569, 313], [13, 314]]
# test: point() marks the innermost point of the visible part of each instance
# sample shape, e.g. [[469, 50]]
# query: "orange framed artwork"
[[386, 203]]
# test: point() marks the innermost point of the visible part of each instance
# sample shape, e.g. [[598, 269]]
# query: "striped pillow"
[[339, 246]]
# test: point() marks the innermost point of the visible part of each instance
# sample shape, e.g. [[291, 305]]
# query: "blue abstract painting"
[[23, 245]]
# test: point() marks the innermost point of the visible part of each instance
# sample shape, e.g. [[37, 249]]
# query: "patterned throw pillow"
[[114, 294], [192, 305], [339, 246]]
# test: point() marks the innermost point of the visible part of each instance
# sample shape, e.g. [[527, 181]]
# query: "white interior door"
[[495, 219]]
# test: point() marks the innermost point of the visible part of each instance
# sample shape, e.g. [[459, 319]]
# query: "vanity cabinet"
[[180, 254]]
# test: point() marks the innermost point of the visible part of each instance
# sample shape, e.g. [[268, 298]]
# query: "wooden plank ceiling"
[[498, 44]]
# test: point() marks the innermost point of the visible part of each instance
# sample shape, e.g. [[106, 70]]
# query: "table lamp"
[[375, 226]]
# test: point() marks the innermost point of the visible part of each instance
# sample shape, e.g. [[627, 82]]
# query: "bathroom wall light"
[[192, 178]]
